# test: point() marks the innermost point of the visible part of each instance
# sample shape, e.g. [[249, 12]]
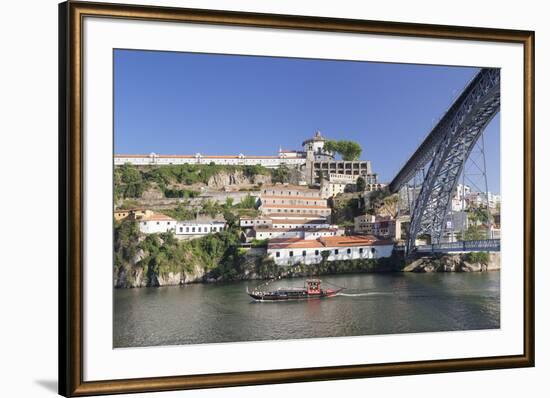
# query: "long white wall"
[[148, 160]]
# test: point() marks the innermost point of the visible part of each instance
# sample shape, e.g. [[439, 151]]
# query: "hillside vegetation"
[[131, 181]]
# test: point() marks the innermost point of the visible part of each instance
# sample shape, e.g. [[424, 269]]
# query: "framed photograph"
[[252, 199]]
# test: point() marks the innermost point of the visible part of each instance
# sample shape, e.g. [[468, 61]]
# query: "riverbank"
[[156, 260], [469, 262], [248, 268]]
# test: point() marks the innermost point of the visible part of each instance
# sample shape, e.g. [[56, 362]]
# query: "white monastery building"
[[312, 159]]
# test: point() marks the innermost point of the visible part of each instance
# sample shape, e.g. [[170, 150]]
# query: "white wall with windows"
[[290, 256], [199, 228], [157, 226]]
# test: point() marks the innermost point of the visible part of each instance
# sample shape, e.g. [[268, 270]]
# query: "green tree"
[[348, 150], [475, 232], [248, 202], [230, 218], [228, 203], [129, 182], [280, 174], [210, 208]]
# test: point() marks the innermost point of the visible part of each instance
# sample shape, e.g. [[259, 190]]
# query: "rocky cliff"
[[237, 179]]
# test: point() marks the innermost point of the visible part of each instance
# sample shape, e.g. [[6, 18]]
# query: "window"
[[304, 253], [181, 229], [360, 250], [291, 253], [200, 229], [316, 252], [168, 223], [277, 254], [193, 229], [186, 229], [349, 251], [336, 251], [158, 223]]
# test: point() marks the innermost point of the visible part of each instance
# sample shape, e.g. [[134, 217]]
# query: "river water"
[[371, 304]]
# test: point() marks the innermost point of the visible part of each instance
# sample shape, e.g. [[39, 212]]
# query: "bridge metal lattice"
[[446, 149]]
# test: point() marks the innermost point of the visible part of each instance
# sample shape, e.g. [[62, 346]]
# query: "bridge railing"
[[462, 246]]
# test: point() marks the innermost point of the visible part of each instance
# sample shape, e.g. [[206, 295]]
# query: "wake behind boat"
[[311, 290]]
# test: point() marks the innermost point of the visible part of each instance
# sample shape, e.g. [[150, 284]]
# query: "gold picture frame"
[[71, 239]]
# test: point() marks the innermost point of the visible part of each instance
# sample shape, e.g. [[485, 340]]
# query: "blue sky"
[[184, 103]]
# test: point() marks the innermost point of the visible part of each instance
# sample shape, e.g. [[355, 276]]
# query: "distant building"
[[385, 227], [132, 214], [294, 251], [198, 228], [294, 200], [331, 189], [288, 211], [251, 222], [464, 198], [157, 223], [370, 187]]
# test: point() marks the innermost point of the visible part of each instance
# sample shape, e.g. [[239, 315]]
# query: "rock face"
[[234, 178], [152, 193], [130, 277], [452, 263]]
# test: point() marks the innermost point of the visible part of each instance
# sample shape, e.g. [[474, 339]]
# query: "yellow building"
[[133, 214]]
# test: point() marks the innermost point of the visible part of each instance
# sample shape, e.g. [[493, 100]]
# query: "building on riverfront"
[[335, 248], [312, 160]]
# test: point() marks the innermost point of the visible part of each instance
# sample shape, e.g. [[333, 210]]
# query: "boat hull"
[[292, 295]]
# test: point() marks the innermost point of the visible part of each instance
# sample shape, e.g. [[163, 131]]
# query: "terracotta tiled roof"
[[131, 156], [327, 241], [294, 244], [296, 229], [157, 217]]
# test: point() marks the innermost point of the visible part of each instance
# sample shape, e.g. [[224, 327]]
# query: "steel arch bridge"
[[444, 153]]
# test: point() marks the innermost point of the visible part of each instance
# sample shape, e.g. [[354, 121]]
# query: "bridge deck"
[[486, 245]]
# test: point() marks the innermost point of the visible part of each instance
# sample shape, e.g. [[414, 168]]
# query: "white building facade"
[[301, 251], [230, 160], [160, 223], [198, 228], [307, 234], [157, 223]]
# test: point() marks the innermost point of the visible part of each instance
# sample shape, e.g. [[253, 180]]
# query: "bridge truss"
[[444, 152]]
